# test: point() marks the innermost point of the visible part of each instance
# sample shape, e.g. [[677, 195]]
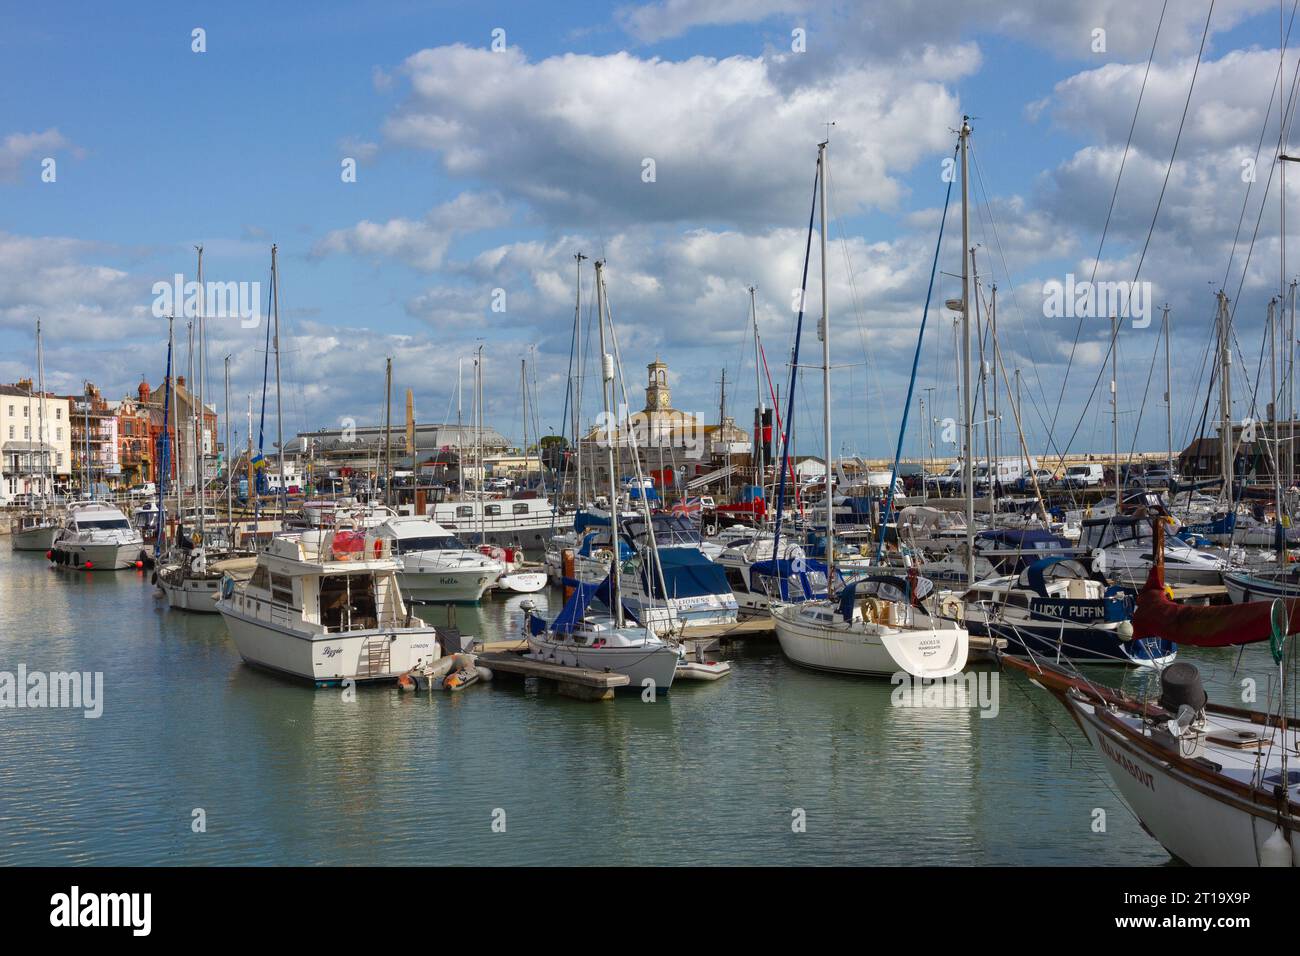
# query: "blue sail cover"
[[786, 573], [575, 608], [687, 574]]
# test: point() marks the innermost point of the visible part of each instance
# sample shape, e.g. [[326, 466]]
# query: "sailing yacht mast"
[[388, 431], [606, 396], [199, 489], [1225, 397], [279, 405], [968, 469], [230, 501], [758, 388], [578, 356], [1114, 407], [47, 479], [826, 376], [1169, 398]]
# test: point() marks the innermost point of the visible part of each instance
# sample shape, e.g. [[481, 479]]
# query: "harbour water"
[[713, 773]]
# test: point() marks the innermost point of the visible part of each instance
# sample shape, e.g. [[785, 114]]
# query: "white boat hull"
[[328, 658], [103, 557], [198, 595], [657, 663], [450, 586], [523, 582], [34, 539], [1192, 825], [922, 653]]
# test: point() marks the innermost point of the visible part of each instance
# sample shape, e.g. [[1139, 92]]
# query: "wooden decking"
[[578, 682]]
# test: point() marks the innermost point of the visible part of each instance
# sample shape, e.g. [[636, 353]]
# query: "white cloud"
[[420, 243], [570, 135], [19, 149]]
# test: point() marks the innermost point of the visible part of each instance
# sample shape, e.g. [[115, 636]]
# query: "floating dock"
[[580, 683]]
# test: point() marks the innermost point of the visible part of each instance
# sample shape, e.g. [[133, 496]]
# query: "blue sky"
[[481, 172]]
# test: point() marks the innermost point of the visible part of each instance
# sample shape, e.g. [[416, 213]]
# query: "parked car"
[[1083, 476]]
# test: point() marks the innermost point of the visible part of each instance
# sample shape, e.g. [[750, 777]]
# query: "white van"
[[1083, 476], [1005, 472]]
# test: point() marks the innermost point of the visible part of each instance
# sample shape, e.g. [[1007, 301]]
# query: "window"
[[27, 411], [58, 413], [11, 432], [260, 579], [492, 509], [464, 511], [520, 508], [27, 432], [58, 434], [282, 589]]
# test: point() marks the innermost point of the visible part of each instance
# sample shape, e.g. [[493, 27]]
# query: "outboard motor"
[[1180, 685]]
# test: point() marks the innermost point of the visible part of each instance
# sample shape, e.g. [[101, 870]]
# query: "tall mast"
[[230, 474], [523, 391], [388, 431], [478, 442], [758, 389], [174, 426], [968, 469], [199, 489], [279, 405], [826, 377], [997, 419], [1114, 406], [1226, 449], [577, 388], [47, 480], [460, 450], [606, 399], [1169, 397]]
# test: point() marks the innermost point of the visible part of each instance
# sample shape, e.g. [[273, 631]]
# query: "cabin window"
[[492, 509], [736, 578], [347, 602], [260, 579], [520, 509], [282, 589], [464, 511]]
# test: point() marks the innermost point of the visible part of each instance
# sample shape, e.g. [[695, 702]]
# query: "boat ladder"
[[376, 657]]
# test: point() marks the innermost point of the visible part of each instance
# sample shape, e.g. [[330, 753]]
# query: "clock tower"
[[658, 397]]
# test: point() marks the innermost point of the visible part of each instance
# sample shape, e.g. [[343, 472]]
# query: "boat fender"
[[484, 673], [1275, 851], [153, 578], [379, 549], [405, 682], [1124, 631], [227, 587]]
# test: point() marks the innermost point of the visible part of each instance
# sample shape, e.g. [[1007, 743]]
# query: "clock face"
[[661, 399]]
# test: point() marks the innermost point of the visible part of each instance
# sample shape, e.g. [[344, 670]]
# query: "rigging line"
[[794, 367], [857, 307], [1006, 271], [1274, 93], [911, 385], [1182, 122], [1115, 193]]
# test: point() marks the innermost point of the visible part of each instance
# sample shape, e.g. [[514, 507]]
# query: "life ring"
[[196, 538]]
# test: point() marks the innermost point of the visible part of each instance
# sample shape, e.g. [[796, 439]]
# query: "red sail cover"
[[1215, 626]]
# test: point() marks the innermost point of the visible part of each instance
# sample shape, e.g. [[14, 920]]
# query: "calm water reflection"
[[709, 774]]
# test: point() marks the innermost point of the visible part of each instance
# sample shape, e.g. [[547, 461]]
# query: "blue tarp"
[[687, 573]]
